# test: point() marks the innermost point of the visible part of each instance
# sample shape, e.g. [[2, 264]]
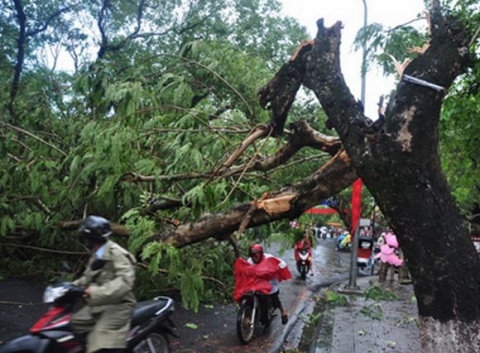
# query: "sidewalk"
[[371, 326]]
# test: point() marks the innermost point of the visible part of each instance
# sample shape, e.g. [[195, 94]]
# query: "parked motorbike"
[[255, 309], [366, 255], [151, 325]]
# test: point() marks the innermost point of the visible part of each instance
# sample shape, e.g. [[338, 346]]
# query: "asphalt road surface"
[[214, 327]]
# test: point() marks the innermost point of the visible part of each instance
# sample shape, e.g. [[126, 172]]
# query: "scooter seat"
[[144, 310]]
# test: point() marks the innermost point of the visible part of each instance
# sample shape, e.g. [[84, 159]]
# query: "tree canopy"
[[136, 128], [172, 122]]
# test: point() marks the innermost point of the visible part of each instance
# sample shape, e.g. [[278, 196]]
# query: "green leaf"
[[6, 225], [335, 298], [374, 311], [377, 293]]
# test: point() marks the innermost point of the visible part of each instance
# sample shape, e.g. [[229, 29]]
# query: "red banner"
[[356, 203], [315, 210]]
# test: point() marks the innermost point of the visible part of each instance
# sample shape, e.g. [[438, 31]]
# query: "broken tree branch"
[[302, 135], [279, 94], [254, 135], [330, 179]]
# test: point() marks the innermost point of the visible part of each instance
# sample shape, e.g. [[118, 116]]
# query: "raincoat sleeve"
[[249, 278], [283, 272], [83, 280], [256, 277]]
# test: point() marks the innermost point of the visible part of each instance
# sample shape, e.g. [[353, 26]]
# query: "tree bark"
[[400, 165]]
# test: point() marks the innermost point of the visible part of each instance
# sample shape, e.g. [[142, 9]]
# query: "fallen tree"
[[399, 162], [291, 202]]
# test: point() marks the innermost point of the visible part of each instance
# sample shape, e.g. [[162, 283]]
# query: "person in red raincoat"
[[261, 272], [306, 244]]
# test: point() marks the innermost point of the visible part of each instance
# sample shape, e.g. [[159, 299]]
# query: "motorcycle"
[[366, 255], [251, 292], [255, 308], [303, 260], [150, 329], [341, 245], [323, 232]]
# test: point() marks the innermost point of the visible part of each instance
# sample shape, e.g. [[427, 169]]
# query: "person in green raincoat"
[[108, 290]]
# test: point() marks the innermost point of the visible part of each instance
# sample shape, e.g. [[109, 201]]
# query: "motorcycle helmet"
[[95, 229], [255, 249]]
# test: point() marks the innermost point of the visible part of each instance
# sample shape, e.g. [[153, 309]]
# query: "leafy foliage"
[[167, 103], [377, 293], [334, 298], [374, 311], [141, 118]]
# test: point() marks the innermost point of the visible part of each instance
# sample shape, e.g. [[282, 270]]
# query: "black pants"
[[264, 301], [274, 297]]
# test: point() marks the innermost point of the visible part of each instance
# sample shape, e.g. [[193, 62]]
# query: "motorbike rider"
[[323, 232], [108, 290], [305, 244], [344, 240], [257, 255]]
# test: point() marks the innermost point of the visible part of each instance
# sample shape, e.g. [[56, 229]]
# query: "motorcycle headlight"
[[53, 292]]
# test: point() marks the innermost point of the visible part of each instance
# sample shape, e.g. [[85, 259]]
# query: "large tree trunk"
[[400, 165]]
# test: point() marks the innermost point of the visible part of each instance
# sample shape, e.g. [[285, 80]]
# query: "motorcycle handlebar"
[[71, 294]]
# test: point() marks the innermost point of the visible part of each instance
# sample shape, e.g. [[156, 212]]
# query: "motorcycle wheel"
[[245, 324], [153, 343], [303, 272]]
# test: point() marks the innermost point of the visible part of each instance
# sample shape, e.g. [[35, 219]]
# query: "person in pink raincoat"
[[387, 251]]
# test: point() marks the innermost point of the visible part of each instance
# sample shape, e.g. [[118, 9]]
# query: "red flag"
[[356, 203]]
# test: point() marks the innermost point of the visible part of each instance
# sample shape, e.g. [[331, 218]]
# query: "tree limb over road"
[[330, 179]]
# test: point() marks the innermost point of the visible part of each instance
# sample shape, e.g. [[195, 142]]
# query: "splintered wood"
[[277, 204]]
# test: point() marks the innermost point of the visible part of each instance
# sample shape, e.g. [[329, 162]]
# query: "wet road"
[[297, 295], [216, 325]]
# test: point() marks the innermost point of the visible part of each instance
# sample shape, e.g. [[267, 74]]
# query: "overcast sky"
[[350, 13]]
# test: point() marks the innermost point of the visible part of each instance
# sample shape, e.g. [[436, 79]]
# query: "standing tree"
[[400, 164]]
